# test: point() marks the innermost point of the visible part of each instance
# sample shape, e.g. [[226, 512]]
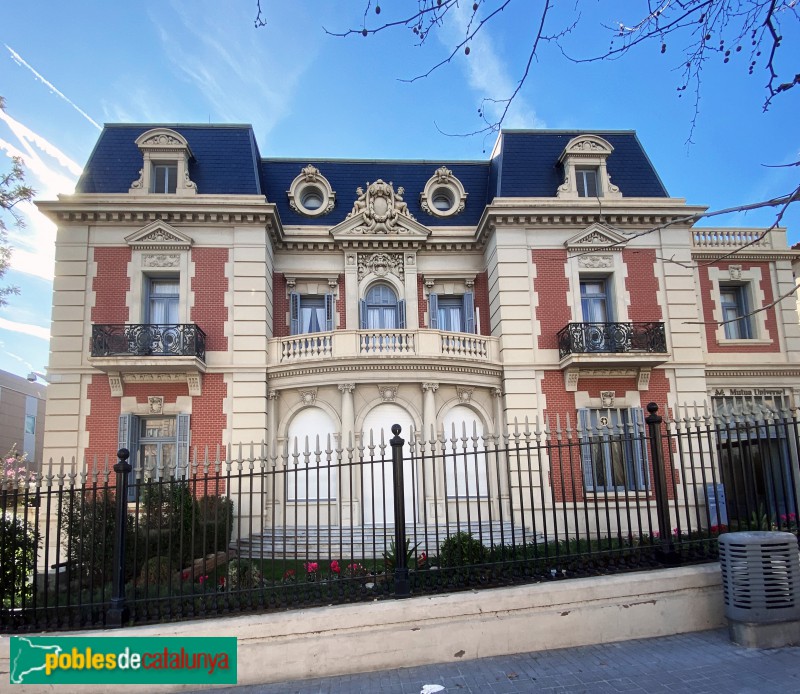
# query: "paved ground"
[[697, 663]]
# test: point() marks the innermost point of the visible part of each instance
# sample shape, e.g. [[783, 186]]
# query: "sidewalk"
[[697, 663]]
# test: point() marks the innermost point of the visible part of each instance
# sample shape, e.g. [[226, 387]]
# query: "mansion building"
[[207, 296]]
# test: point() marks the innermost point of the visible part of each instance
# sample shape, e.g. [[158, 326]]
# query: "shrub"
[[19, 541], [214, 525], [243, 574], [156, 571], [89, 524], [462, 549], [390, 555]]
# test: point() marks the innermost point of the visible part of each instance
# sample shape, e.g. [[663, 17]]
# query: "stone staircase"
[[368, 541]]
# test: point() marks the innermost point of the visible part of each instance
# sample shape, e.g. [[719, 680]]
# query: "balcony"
[[613, 345], [149, 352], [146, 339], [360, 346]]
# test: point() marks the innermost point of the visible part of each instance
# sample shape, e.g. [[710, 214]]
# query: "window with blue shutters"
[[311, 314], [613, 449], [380, 309], [452, 313]]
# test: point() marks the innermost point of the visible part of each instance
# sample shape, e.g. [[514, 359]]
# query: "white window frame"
[[750, 280]]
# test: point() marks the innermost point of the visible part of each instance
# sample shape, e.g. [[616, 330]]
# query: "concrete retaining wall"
[[402, 633]]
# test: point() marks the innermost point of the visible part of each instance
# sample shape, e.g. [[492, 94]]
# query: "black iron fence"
[[325, 521]]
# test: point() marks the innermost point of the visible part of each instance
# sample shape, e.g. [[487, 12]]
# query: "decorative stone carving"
[[594, 262], [347, 387], [381, 207], [310, 180], [433, 387], [155, 404], [464, 394], [571, 377], [607, 398], [440, 189], [115, 385], [643, 382], [735, 272], [586, 152], [308, 397], [273, 394], [596, 237], [161, 237], [388, 393], [161, 260], [195, 383], [497, 392], [381, 264]]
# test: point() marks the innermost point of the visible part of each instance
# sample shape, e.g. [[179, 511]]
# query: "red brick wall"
[[280, 305], [110, 285], [482, 301], [566, 474], [552, 288], [210, 285], [102, 425], [642, 284], [422, 302], [710, 302], [208, 420], [341, 305]]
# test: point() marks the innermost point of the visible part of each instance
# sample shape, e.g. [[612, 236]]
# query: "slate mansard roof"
[[227, 162]]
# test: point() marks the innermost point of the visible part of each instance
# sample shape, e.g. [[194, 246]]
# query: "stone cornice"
[[733, 255], [555, 212], [461, 370], [201, 209], [763, 372]]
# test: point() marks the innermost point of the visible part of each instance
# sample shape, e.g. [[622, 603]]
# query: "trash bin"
[[761, 584]]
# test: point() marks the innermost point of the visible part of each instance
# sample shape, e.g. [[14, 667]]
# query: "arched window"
[[465, 455], [380, 309], [311, 474]]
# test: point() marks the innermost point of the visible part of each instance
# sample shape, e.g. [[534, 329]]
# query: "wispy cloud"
[[19, 60], [243, 80], [25, 328], [487, 74]]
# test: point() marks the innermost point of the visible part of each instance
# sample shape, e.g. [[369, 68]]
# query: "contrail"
[[21, 61]]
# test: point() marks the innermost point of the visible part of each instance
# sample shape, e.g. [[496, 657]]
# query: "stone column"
[[502, 459], [274, 505], [434, 477], [349, 511]]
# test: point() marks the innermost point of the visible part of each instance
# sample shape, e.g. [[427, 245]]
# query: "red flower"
[[335, 567], [311, 567]]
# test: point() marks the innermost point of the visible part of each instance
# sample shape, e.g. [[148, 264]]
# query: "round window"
[[311, 198], [442, 199]]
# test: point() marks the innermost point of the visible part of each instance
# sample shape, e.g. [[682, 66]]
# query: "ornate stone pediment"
[[381, 264], [381, 208], [159, 236], [380, 217], [597, 237]]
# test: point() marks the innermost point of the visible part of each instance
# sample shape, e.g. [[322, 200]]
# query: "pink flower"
[[335, 567], [202, 579], [311, 567]]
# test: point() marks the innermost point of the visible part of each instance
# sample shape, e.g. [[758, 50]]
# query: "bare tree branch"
[[793, 290]]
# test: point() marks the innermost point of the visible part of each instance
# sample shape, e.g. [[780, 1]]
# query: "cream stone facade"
[[285, 304]]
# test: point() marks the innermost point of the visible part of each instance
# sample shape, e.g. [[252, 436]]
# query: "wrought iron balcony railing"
[[577, 338], [147, 339]]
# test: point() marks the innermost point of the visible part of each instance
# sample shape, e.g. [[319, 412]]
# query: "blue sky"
[[66, 68]]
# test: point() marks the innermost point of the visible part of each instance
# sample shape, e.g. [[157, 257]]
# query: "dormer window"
[[165, 177], [165, 164], [586, 182], [585, 173]]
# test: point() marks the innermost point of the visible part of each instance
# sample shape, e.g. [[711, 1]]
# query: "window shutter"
[[294, 313], [128, 437], [433, 311], [183, 446], [639, 444], [401, 314], [362, 314], [469, 312], [330, 312], [584, 425]]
